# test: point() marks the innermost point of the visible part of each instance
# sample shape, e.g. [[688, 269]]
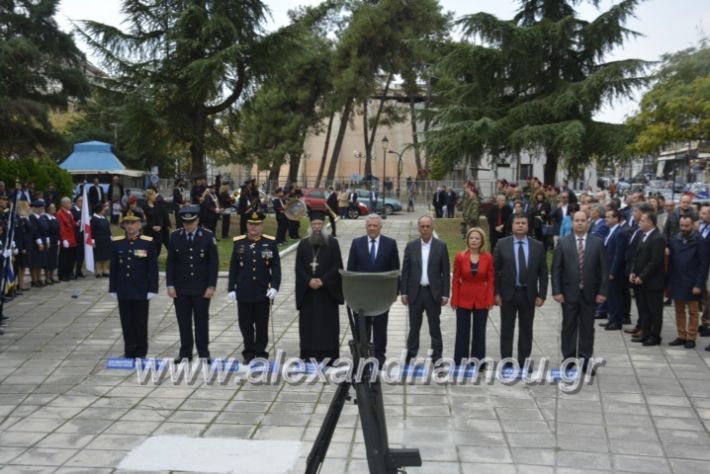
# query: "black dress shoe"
[[178, 360], [631, 330], [704, 331], [690, 345], [641, 339], [652, 341], [600, 316], [79, 275], [603, 325], [677, 342], [707, 348], [612, 327], [627, 320]]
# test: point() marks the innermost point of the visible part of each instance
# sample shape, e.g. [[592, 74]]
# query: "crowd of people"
[[607, 253]]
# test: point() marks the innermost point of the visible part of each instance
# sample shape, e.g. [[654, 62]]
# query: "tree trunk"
[[415, 138], [273, 178], [324, 158], [376, 122], [368, 155], [197, 144], [293, 164], [344, 118], [550, 173]]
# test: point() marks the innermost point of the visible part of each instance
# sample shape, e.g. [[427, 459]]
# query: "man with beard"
[[318, 292]]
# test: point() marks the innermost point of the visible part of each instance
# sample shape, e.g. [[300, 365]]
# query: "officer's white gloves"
[[114, 295], [150, 296], [7, 253], [65, 243], [49, 242], [271, 293], [232, 296]]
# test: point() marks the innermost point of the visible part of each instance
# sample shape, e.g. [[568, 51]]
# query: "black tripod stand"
[[381, 459]]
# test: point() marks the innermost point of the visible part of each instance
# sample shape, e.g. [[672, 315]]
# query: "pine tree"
[[40, 69], [533, 83]]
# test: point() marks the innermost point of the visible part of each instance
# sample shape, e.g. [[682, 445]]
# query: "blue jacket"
[[599, 228], [687, 266], [134, 268], [191, 267]]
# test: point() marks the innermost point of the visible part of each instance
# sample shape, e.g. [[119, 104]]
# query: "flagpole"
[[86, 229]]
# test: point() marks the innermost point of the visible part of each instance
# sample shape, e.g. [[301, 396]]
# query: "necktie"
[[189, 237], [372, 252], [580, 260], [522, 266]]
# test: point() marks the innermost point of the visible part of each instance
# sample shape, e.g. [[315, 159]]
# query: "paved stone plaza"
[[62, 411]]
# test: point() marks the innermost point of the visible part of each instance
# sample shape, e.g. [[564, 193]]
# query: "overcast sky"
[[666, 26]]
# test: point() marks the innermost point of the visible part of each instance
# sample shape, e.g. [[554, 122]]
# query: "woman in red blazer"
[[472, 289]]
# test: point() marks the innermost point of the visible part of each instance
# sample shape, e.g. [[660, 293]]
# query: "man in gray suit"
[[579, 284], [425, 286], [520, 286]]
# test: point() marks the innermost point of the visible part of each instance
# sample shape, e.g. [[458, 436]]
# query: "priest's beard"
[[317, 239]]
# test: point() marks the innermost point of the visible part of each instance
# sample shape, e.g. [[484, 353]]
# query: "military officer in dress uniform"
[[254, 280], [133, 281], [191, 278]]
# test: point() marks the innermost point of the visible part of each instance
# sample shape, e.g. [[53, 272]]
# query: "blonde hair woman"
[[472, 296]]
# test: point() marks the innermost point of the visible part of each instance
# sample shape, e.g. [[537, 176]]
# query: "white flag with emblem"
[[86, 228]]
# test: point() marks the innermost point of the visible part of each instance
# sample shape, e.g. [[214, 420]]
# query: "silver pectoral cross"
[[314, 265]]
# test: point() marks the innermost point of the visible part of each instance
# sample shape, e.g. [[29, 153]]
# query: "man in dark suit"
[[374, 253], [451, 199], [648, 276], [579, 284], [615, 243], [95, 194], [425, 286], [521, 284], [634, 237], [439, 201], [497, 219]]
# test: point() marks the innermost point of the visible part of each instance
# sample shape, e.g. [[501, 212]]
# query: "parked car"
[[391, 205], [315, 198]]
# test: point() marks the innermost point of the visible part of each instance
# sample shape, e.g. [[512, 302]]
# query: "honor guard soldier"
[[133, 282], [191, 278], [254, 280]]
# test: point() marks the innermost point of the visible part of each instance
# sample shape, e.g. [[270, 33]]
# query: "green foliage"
[[531, 83], [41, 171], [181, 65], [274, 122], [677, 108], [40, 68]]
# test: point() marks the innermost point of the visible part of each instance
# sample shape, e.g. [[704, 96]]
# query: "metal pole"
[[385, 142]]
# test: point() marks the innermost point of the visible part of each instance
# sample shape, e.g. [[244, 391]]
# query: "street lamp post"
[[385, 142], [399, 168], [304, 158], [359, 156]]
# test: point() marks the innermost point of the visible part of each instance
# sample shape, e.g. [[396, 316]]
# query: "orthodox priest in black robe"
[[319, 292]]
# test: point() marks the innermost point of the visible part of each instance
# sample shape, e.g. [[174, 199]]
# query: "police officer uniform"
[[191, 268], [254, 271], [133, 280]]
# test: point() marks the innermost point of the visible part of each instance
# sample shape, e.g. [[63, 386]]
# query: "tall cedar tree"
[[40, 69], [533, 83], [184, 63]]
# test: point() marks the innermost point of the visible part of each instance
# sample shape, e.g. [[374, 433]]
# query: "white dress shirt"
[[426, 248]]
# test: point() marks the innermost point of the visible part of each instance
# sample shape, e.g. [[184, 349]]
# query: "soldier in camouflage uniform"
[[471, 206]]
